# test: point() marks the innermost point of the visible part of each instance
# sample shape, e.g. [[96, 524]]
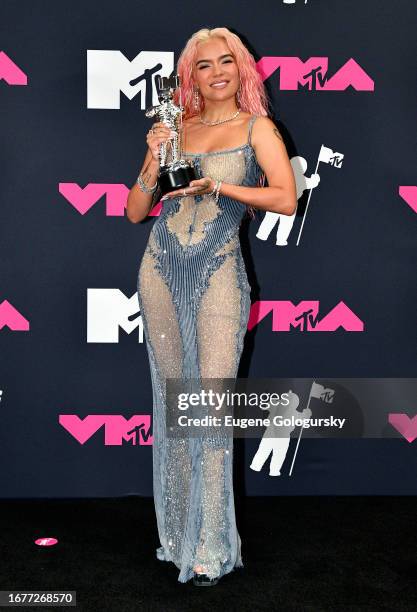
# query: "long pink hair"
[[253, 98]]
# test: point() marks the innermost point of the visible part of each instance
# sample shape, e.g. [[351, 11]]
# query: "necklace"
[[221, 120]]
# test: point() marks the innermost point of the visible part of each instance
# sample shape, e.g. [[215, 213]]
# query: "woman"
[[193, 291]]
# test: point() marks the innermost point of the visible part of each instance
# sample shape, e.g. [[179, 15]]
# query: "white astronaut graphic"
[[271, 442], [302, 182]]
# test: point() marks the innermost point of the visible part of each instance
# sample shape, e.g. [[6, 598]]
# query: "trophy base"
[[170, 180]]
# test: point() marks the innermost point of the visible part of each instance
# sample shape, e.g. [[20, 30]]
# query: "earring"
[[196, 99]]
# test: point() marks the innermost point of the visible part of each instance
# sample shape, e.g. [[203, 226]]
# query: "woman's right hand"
[[159, 133]]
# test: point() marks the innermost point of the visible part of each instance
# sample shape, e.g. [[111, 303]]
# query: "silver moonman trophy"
[[174, 172]]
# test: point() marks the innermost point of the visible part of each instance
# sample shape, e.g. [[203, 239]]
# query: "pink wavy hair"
[[252, 96]]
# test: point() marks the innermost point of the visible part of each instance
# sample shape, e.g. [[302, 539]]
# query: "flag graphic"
[[316, 390], [323, 393], [328, 156]]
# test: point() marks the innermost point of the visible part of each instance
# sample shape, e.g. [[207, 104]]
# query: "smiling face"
[[215, 70]]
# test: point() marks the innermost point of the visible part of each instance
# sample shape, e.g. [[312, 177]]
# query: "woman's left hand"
[[196, 187]]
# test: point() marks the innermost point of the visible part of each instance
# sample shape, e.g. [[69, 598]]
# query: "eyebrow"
[[221, 57]]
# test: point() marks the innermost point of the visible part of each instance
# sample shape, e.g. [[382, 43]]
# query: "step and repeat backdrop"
[[333, 311]]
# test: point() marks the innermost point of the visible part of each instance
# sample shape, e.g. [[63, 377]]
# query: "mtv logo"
[[117, 428], [108, 310], [312, 74], [110, 72]]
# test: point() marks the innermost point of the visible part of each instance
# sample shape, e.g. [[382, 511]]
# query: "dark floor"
[[300, 554]]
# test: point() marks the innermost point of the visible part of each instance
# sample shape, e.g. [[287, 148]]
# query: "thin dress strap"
[[251, 122]]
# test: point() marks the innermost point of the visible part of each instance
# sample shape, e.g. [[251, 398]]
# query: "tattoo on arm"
[[145, 174], [276, 132]]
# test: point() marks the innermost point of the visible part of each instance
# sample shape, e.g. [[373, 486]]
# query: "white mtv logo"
[[110, 72], [108, 310]]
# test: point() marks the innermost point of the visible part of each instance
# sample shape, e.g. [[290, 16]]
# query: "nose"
[[218, 70]]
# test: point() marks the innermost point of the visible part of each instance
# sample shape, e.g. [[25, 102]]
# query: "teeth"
[[219, 84]]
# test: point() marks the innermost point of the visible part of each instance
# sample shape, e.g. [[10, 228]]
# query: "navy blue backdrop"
[[73, 140]]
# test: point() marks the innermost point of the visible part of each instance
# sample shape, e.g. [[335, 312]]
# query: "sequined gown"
[[194, 299]]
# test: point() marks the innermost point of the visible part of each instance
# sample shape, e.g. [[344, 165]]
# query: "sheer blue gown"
[[194, 300]]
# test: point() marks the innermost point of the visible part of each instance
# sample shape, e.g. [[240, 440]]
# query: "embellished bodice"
[[193, 219]]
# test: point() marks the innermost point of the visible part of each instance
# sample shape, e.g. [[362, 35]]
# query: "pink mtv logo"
[[409, 195], [12, 318], [116, 428], [404, 425], [84, 198], [10, 72], [304, 317], [312, 74]]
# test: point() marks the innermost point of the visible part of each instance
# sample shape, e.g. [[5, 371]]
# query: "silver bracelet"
[[216, 190], [143, 187], [218, 185]]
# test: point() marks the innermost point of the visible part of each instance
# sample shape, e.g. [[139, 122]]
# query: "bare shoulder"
[[263, 128]]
